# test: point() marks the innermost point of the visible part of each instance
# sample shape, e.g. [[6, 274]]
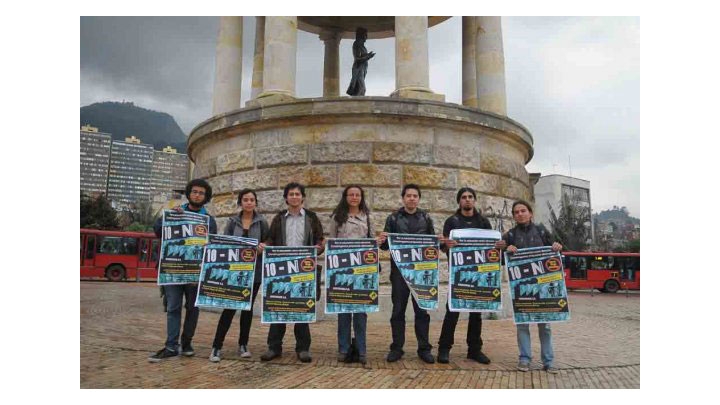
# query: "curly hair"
[[199, 183]]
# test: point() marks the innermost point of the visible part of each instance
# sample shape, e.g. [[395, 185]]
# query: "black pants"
[[447, 336], [301, 330], [400, 295], [245, 323], [277, 333]]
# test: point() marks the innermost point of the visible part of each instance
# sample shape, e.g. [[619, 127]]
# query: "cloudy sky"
[[573, 82]]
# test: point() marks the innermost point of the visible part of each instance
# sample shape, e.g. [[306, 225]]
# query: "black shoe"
[[480, 357], [362, 359], [162, 354], [269, 355], [304, 356], [393, 356], [443, 356], [427, 357], [187, 351]]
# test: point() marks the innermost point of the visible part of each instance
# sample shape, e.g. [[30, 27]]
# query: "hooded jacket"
[[259, 230]]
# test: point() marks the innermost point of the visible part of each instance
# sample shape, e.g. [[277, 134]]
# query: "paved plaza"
[[121, 324]]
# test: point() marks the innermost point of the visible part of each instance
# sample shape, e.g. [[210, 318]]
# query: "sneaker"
[[215, 355], [362, 359], [523, 366], [427, 357], [304, 356], [341, 357], [162, 354], [244, 352], [443, 356], [480, 357], [394, 356], [187, 351], [551, 369], [269, 355]]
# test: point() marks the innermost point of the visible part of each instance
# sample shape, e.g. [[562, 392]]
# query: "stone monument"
[[380, 142]]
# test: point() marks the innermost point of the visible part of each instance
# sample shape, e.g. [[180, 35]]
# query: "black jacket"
[[530, 235], [459, 221], [419, 223]]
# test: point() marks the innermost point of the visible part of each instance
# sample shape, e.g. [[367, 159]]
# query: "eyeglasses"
[[197, 192]]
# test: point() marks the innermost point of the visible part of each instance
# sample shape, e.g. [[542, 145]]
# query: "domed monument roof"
[[377, 26]]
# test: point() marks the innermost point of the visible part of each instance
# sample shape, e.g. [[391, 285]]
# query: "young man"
[[294, 226], [524, 235], [198, 193], [465, 217], [408, 219]]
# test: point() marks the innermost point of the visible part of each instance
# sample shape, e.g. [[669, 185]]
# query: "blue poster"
[[351, 276], [537, 285], [289, 284], [417, 258], [474, 283], [227, 273], [184, 235]]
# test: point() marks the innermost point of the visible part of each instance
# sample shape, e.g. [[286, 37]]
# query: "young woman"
[[248, 224], [351, 219]]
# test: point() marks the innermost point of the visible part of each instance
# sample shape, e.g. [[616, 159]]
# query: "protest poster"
[[351, 276], [474, 271], [227, 273], [416, 256], [537, 285], [289, 284], [184, 235]]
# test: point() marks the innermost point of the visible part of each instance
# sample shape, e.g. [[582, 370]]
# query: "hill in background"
[[123, 119]]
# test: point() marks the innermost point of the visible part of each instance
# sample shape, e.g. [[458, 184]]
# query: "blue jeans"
[[359, 324], [524, 345], [175, 295]]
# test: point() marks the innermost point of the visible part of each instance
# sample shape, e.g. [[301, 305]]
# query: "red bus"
[[607, 272], [118, 255]]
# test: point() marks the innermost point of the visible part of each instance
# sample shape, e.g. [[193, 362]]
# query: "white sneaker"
[[244, 352], [215, 355]]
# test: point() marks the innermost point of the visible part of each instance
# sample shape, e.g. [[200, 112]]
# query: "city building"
[[550, 190], [94, 160], [129, 180], [169, 171]]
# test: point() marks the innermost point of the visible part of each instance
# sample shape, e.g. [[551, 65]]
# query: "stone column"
[[469, 79], [412, 66], [228, 66], [331, 72], [490, 65], [280, 60], [257, 77]]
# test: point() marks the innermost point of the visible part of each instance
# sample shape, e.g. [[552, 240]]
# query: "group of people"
[[297, 226]]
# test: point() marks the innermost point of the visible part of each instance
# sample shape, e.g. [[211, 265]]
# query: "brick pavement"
[[121, 324]]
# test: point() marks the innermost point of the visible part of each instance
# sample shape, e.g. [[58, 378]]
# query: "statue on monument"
[[359, 68]]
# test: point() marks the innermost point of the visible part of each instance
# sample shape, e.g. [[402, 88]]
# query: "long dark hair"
[[340, 214]]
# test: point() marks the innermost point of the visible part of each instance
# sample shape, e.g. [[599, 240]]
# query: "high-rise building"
[[129, 180], [169, 171], [94, 160], [551, 189]]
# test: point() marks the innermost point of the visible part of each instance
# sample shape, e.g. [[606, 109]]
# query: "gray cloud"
[[573, 82]]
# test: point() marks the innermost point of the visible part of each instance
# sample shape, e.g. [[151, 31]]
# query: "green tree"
[[634, 246], [141, 217], [569, 225], [97, 213]]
